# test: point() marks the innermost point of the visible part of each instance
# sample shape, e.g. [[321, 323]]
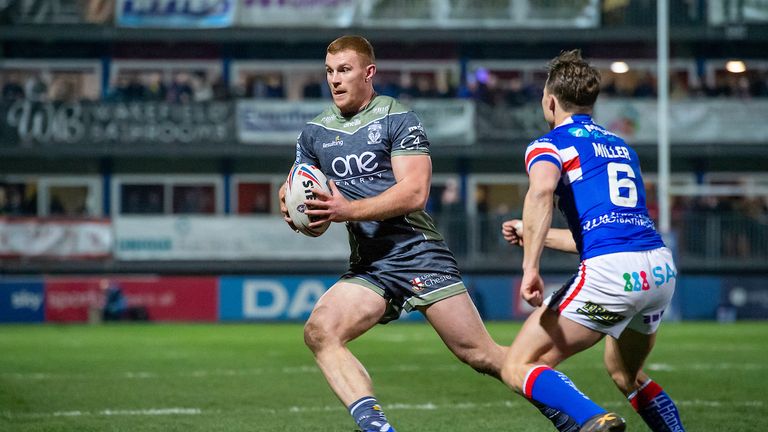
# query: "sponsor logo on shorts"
[[417, 284], [647, 319], [429, 280], [599, 314], [638, 281]]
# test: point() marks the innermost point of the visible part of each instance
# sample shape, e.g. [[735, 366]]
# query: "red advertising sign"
[[82, 298]]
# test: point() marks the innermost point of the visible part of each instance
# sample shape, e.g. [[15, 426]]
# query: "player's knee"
[[480, 360], [317, 334]]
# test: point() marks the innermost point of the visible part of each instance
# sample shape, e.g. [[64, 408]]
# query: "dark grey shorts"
[[419, 276]]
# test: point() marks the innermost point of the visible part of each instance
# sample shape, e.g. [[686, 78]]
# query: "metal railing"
[[702, 242]]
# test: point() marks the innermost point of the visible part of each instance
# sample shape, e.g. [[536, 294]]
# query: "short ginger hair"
[[354, 43]]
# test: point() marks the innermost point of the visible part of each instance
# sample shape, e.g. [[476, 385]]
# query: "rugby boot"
[[605, 422]]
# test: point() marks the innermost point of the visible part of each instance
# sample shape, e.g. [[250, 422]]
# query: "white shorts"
[[619, 290]]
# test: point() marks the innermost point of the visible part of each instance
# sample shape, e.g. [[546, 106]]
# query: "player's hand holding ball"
[[512, 230], [305, 184]]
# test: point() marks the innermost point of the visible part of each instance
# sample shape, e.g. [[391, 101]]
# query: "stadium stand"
[[111, 114]]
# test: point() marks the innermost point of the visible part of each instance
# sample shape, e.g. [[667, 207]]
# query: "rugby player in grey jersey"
[[375, 154]]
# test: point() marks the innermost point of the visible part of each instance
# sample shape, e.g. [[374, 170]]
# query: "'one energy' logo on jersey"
[[355, 165], [638, 281], [374, 133]]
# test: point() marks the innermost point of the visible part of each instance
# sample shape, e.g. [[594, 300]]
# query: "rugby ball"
[[302, 180]]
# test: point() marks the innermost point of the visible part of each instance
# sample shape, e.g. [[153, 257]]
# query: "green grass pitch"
[[260, 377]]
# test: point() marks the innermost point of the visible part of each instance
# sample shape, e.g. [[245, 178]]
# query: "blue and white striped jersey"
[[601, 190]]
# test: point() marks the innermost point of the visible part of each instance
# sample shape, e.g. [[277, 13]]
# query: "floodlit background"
[[142, 145]]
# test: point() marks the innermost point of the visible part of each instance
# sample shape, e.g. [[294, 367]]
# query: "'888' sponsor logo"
[[638, 281]]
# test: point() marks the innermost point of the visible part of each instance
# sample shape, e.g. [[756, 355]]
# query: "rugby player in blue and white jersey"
[[626, 278], [375, 154]]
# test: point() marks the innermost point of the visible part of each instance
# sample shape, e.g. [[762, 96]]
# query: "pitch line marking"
[[428, 406], [106, 413], [431, 406]]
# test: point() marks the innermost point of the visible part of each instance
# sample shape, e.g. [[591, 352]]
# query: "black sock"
[[562, 421]]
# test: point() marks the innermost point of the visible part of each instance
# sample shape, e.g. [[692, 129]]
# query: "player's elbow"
[[417, 200], [541, 191]]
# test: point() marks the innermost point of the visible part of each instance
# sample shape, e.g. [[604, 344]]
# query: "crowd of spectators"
[[153, 86], [17, 200], [493, 88], [43, 86]]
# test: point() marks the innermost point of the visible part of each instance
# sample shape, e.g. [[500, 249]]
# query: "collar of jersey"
[[580, 118]]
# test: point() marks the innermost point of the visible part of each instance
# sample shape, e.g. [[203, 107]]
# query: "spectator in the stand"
[[451, 218], [425, 87], [407, 88], [516, 94], [127, 88], [387, 86], [36, 88], [267, 87], [63, 89], [678, 88], [221, 91], [154, 87], [201, 87], [274, 87], [760, 84], [645, 87], [3, 199], [117, 93], [722, 87], [98, 11], [135, 90], [483, 93], [16, 202], [313, 89], [742, 86], [154, 204], [181, 89], [115, 304], [12, 89]]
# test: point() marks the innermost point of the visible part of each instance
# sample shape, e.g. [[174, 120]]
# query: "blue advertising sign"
[[746, 295], [276, 298], [493, 295], [698, 297], [175, 13], [21, 300], [270, 298]]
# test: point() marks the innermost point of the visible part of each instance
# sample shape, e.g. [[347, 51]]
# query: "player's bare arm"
[[413, 174], [537, 217], [557, 238]]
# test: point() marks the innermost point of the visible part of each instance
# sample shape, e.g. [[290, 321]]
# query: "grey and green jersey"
[[356, 153], [404, 259]]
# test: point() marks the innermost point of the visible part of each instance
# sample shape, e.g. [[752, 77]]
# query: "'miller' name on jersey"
[[614, 152]]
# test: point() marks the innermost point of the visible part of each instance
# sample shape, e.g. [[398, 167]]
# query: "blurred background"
[[142, 144]]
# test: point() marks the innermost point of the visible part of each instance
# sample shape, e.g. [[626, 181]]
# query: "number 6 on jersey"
[[623, 191]]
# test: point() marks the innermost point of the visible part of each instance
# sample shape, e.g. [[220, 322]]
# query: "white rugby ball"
[[301, 182]]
